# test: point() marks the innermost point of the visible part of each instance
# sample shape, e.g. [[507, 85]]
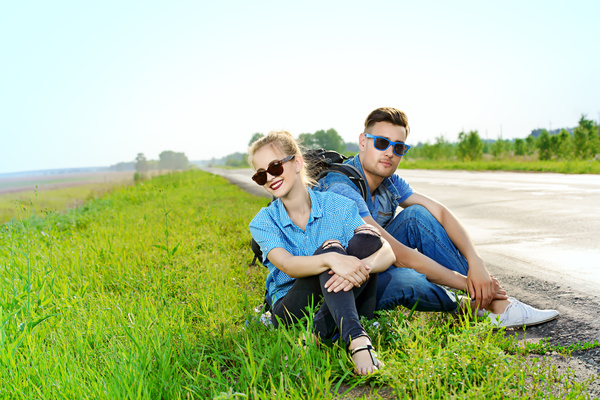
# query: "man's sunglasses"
[[382, 144], [275, 168]]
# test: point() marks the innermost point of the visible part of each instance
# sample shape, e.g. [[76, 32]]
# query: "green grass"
[[147, 293], [562, 167]]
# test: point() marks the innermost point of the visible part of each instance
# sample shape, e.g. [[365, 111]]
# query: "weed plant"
[[147, 293]]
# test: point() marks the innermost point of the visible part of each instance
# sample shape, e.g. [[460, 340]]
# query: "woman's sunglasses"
[[382, 144], [275, 168]]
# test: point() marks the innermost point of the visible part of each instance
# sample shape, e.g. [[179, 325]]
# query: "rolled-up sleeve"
[[266, 233]]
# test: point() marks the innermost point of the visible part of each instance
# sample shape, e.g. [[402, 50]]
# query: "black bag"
[[321, 162]]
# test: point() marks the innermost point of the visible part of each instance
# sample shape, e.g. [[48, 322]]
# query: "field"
[[56, 192], [147, 292]]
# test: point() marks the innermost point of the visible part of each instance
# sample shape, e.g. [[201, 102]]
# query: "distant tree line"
[[168, 160], [582, 144], [326, 139], [321, 139]]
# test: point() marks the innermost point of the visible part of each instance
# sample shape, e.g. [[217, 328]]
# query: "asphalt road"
[[539, 233]]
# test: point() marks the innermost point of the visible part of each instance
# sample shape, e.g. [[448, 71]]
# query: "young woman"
[[315, 245]]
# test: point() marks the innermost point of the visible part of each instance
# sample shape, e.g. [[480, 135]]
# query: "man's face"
[[376, 162]]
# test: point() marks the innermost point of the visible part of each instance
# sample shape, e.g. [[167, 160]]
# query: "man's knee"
[[416, 212], [412, 219]]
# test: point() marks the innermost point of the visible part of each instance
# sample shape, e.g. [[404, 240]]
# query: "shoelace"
[[518, 308]]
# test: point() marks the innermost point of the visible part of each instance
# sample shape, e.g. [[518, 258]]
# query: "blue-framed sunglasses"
[[381, 144]]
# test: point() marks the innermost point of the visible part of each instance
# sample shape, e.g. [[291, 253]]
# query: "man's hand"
[[499, 292], [482, 287]]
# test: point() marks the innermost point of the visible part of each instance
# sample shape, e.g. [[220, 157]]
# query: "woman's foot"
[[364, 356]]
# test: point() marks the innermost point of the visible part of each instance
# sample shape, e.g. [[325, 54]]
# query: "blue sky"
[[94, 83]]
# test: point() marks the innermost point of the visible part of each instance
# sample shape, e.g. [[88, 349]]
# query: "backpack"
[[321, 162]]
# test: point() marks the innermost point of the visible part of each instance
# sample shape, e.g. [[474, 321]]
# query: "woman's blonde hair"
[[286, 144]]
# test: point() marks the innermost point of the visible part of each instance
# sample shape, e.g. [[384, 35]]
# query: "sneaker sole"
[[532, 324]]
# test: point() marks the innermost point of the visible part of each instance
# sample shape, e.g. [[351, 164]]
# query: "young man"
[[445, 254]]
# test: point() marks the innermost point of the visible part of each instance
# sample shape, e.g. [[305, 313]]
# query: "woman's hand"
[[349, 268], [337, 283]]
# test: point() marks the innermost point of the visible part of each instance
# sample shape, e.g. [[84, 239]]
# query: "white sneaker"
[[518, 314]]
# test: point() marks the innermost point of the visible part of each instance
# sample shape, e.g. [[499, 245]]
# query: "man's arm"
[[411, 258], [436, 273], [478, 281], [405, 257]]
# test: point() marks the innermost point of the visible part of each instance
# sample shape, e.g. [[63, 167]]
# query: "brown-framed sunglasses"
[[275, 168]]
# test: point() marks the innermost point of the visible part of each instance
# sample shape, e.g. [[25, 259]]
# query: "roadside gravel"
[[579, 323]]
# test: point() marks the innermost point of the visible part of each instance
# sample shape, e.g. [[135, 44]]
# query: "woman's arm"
[[382, 259], [348, 267], [379, 261]]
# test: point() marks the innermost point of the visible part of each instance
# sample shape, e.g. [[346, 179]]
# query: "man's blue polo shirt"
[[388, 196], [331, 217]]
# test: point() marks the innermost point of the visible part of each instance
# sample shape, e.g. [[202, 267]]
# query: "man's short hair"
[[387, 114]]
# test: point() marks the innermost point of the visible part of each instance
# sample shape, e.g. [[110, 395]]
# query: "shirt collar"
[[386, 181], [316, 211]]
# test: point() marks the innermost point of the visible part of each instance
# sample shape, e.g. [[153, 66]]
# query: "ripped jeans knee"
[[365, 242], [331, 246]]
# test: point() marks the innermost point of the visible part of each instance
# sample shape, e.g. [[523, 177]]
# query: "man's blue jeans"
[[416, 228]]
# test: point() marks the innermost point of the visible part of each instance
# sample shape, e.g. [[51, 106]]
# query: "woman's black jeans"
[[342, 309]]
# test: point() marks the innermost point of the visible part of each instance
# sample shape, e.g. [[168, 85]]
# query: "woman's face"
[[278, 186]]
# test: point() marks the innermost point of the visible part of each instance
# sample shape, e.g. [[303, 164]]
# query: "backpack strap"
[[254, 245], [256, 250], [352, 173]]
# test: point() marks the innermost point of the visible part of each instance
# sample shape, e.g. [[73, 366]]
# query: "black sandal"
[[376, 363]]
